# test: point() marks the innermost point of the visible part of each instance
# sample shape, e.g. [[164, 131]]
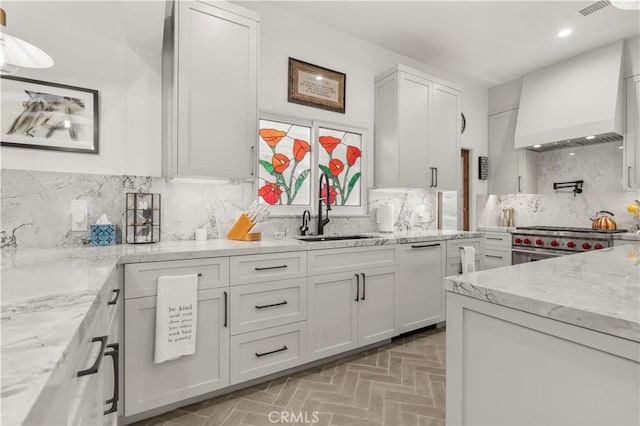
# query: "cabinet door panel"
[[376, 309], [444, 140], [150, 385], [217, 102], [414, 111], [421, 290], [333, 315], [631, 172]]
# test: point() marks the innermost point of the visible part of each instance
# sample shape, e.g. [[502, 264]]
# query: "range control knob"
[[598, 246], [571, 244], [527, 241], [586, 246], [518, 240], [555, 243], [539, 242]]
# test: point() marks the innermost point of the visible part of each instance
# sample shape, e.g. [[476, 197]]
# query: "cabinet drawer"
[[263, 305], [267, 351], [351, 259], [141, 279], [267, 267], [454, 246], [496, 258], [497, 240]]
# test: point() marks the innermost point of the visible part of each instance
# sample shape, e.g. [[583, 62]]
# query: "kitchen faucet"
[[323, 221], [306, 218]]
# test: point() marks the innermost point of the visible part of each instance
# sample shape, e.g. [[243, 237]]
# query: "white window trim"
[[366, 168]]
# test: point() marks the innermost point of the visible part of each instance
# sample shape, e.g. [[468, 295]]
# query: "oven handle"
[[545, 252]]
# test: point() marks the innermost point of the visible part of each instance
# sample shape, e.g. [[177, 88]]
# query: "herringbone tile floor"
[[401, 383]]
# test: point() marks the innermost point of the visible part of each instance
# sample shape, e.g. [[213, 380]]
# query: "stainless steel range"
[[531, 243]]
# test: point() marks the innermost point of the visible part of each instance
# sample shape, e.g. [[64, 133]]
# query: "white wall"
[[113, 47], [284, 34]]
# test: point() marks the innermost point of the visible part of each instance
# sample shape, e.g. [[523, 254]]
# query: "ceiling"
[[490, 42]]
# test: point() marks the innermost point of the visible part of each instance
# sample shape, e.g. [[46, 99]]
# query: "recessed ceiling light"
[[572, 153], [590, 137], [565, 32], [537, 146]]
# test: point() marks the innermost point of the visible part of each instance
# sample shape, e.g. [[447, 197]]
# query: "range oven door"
[[519, 255]]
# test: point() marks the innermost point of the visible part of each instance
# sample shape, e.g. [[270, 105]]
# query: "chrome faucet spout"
[[322, 221]]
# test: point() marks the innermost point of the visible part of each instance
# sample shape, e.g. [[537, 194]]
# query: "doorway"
[[466, 172]]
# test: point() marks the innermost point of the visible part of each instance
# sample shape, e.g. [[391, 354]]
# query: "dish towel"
[[176, 315], [468, 259]]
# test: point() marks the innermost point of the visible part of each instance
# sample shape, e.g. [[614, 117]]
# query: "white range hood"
[[564, 103]]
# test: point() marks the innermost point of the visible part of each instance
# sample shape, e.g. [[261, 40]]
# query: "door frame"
[[465, 155]]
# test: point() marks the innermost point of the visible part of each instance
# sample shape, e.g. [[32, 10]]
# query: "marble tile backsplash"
[[600, 166], [35, 207]]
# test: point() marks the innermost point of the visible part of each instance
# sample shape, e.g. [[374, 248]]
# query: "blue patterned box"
[[103, 235]]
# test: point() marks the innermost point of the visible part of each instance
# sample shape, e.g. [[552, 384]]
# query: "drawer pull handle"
[[115, 299], [357, 288], [271, 305], [96, 365], [199, 274], [114, 354], [364, 286], [425, 246], [266, 268], [225, 309], [494, 238], [494, 256], [284, 348]]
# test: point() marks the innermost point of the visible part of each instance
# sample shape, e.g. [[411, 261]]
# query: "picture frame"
[[43, 115], [315, 86], [483, 168]]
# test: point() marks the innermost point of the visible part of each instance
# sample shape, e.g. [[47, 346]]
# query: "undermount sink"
[[319, 238]]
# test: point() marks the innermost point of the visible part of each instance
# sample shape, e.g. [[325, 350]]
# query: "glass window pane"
[[340, 157], [285, 163]]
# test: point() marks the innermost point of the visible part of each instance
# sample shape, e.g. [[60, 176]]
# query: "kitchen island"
[[549, 342]]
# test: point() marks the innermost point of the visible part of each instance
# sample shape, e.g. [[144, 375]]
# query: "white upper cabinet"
[[417, 131], [213, 119], [511, 171], [631, 172]]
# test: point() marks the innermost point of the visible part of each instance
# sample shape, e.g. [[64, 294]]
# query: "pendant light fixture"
[[16, 53]]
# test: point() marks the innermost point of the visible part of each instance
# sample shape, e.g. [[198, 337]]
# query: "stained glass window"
[[285, 163], [340, 158]]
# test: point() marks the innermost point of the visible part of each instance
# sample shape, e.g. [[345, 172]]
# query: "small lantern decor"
[[143, 218]]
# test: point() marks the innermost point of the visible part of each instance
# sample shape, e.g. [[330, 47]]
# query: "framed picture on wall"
[[316, 86], [42, 115]]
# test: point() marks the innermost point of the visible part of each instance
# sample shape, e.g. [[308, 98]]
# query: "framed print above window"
[[316, 86], [42, 115]]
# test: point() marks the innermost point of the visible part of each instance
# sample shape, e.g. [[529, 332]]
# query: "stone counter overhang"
[[50, 296], [597, 290]]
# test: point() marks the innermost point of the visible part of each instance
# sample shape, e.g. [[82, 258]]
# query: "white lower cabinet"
[[454, 260], [351, 309], [86, 377], [150, 385], [497, 249], [421, 291], [267, 351], [333, 314]]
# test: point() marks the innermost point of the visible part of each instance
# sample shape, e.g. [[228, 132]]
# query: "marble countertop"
[[496, 228], [598, 290], [49, 297], [628, 236]]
